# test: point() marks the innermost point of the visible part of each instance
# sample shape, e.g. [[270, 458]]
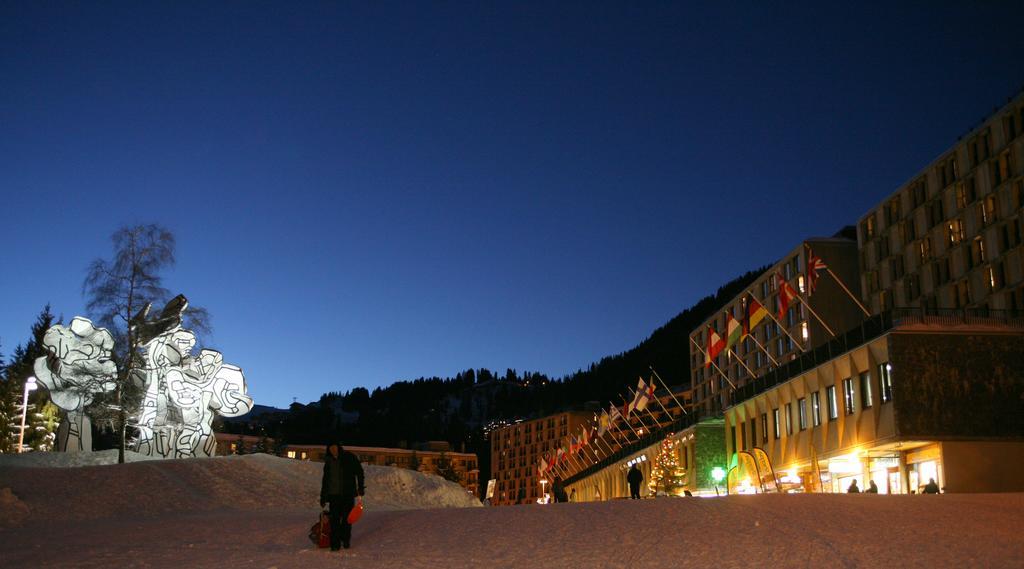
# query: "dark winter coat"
[[635, 477], [343, 476]]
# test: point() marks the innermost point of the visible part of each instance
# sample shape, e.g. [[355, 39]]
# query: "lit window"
[[816, 408], [803, 331], [800, 284], [802, 412], [789, 419], [848, 403], [764, 428], [833, 406], [865, 390], [291, 454], [885, 381], [778, 432]]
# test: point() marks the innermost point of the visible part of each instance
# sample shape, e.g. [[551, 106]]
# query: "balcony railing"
[[874, 327]]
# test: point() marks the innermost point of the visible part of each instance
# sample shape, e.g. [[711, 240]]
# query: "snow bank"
[[252, 483], [68, 459]]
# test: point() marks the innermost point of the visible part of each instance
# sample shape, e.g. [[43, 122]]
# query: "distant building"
[[432, 457], [516, 450]]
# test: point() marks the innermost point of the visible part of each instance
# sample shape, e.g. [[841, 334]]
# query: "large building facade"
[[951, 236]]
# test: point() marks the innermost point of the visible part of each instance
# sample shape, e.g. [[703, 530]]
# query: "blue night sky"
[[374, 191]]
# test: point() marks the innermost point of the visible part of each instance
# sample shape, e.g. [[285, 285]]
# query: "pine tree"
[[8, 435], [42, 418], [666, 476], [446, 470]]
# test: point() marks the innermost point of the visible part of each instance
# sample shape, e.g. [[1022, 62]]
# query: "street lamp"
[[717, 474], [543, 489], [30, 385]]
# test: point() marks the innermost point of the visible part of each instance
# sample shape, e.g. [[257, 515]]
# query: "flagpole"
[[712, 362], [654, 390], [781, 327], [766, 352], [851, 295], [621, 434], [601, 436], [742, 363], [648, 409], [673, 395], [668, 414], [630, 405], [800, 298]]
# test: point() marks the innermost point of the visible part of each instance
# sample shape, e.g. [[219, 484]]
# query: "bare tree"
[[116, 291]]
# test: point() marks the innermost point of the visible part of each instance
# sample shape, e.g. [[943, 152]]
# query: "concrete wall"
[[982, 466], [958, 385]]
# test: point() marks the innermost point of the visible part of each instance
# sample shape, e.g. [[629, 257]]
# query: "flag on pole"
[[603, 423], [786, 294], [585, 439], [733, 331], [755, 313], [640, 397], [814, 264], [543, 466], [715, 346], [613, 414]]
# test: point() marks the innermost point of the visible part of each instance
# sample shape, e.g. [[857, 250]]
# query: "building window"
[[733, 432], [977, 251], [830, 399], [743, 435], [816, 408], [753, 432], [775, 416], [801, 407], [865, 390], [764, 428], [955, 231], [849, 405], [885, 381], [987, 209], [924, 249], [789, 419]]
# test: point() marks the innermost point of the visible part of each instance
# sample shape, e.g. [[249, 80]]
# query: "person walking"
[[931, 487], [853, 489], [634, 478], [872, 488], [558, 491], [342, 482]]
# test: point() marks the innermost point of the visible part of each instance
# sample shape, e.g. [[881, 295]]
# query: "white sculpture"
[[77, 368], [181, 393]]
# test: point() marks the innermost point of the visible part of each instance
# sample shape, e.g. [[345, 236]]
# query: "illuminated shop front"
[[893, 411]]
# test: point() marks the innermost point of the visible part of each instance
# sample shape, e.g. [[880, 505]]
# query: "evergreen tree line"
[[41, 417], [460, 409]]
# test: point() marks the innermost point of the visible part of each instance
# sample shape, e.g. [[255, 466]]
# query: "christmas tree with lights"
[[666, 476]]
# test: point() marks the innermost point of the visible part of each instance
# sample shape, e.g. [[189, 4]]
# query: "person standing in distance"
[[342, 482], [634, 478]]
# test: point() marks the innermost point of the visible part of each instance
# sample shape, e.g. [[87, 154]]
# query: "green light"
[[718, 473]]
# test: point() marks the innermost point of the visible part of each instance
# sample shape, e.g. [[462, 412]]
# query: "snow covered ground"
[[188, 514]]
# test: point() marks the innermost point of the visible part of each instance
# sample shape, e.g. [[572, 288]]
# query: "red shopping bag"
[[357, 511], [320, 533]]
